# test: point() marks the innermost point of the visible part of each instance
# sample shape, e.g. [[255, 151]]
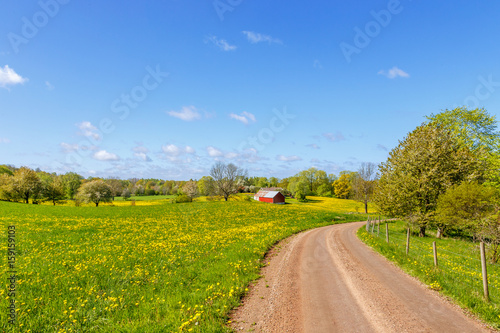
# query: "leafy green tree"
[[71, 182], [421, 168], [298, 184], [205, 185], [273, 182], [363, 183], [95, 191], [52, 188], [5, 170], [6, 187], [325, 190], [465, 206], [477, 130], [116, 186], [342, 186], [26, 184]]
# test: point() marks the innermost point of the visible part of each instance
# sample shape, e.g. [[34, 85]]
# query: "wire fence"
[[459, 267]]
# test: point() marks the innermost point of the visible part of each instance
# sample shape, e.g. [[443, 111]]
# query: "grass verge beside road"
[[458, 275]]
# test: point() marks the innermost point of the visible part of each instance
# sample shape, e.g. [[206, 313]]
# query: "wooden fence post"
[[434, 250], [373, 226], [368, 224], [485, 272], [408, 241], [387, 231], [378, 229]]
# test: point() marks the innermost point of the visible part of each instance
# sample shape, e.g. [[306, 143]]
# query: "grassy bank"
[[458, 275]]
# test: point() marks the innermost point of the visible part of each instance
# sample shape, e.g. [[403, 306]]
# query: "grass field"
[[147, 268], [458, 275], [146, 198]]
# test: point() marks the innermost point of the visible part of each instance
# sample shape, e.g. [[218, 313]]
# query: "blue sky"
[[164, 89]]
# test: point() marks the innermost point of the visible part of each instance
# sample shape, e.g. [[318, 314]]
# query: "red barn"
[[270, 196]]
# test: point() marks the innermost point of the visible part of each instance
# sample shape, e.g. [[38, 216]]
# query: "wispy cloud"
[[8, 77], [382, 147], [334, 137], [317, 64], [69, 148], [142, 153], [103, 155], [254, 37], [313, 146], [220, 43], [49, 86], [292, 158], [393, 73], [187, 113], [244, 117], [87, 129], [4, 140]]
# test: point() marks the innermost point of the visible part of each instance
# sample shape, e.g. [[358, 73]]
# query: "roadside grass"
[[157, 268], [458, 275]]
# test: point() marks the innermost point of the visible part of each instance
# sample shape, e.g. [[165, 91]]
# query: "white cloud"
[[103, 155], [69, 148], [173, 152], [394, 72], [9, 77], [214, 152], [334, 137], [49, 86], [245, 117], [142, 153], [187, 113], [4, 140], [143, 156], [221, 43], [231, 155], [254, 37], [87, 129], [292, 158]]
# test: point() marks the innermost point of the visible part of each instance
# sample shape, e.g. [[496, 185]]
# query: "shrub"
[[182, 198], [300, 196]]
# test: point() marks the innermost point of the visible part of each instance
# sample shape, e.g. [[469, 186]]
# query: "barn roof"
[[267, 194]]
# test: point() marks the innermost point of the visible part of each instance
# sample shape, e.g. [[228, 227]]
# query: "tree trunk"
[[422, 231], [97, 204], [366, 207], [27, 198], [439, 233], [225, 198], [54, 202]]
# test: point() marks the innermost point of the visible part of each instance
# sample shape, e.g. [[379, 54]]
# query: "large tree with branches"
[[225, 178]]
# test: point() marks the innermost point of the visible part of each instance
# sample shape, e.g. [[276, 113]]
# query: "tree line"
[[27, 185]]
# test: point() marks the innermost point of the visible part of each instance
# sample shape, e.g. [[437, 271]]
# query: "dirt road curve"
[[326, 280]]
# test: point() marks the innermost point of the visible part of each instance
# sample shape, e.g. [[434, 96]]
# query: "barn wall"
[[279, 198]]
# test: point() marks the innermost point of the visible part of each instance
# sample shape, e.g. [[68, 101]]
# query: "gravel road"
[[327, 280]]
